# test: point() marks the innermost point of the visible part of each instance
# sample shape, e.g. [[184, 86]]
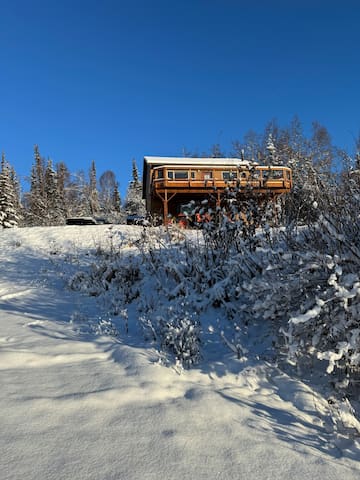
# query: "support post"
[[165, 208]]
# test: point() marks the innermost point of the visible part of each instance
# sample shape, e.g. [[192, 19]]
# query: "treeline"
[[55, 194], [324, 175]]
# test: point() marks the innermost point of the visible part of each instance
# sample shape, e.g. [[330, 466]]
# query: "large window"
[[178, 174], [227, 176]]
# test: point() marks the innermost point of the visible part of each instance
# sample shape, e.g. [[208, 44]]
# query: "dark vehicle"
[[136, 220], [80, 221]]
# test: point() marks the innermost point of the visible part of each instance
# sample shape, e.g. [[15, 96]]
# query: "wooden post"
[[218, 201], [165, 208]]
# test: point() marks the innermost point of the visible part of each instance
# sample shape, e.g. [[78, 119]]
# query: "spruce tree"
[[17, 191], [36, 197], [134, 204], [93, 192], [8, 214], [116, 200], [135, 172], [63, 180], [53, 207]]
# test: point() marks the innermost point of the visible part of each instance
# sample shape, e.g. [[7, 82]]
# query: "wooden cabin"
[[169, 183]]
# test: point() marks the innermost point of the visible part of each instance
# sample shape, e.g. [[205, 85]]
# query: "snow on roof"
[[195, 161]]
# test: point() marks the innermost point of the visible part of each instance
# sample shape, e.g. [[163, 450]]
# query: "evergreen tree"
[[54, 212], [8, 214], [36, 197], [116, 200], [93, 192], [39, 169], [134, 204], [135, 172], [17, 191], [63, 180]]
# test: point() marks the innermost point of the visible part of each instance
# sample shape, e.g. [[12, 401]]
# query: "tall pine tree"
[[93, 192], [134, 204], [8, 198], [36, 199], [54, 214]]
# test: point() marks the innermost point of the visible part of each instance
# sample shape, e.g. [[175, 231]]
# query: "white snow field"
[[78, 406]]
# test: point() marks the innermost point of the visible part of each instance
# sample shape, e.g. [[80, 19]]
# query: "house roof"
[[195, 161]]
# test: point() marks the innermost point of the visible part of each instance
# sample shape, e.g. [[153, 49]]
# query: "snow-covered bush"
[[104, 327], [309, 289], [114, 274], [180, 334], [325, 324]]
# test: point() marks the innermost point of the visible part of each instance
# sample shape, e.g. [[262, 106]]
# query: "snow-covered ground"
[[75, 405]]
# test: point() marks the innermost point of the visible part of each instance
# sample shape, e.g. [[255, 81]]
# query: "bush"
[[180, 335]]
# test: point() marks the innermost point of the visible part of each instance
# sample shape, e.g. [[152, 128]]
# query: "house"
[[169, 183]]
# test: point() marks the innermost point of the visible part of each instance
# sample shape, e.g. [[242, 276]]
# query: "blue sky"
[[115, 80]]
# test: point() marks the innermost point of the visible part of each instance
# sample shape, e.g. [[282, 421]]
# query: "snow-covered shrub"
[[180, 335], [104, 327], [148, 327], [309, 289], [326, 325], [115, 275]]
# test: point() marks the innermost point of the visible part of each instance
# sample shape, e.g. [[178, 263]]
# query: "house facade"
[[170, 183]]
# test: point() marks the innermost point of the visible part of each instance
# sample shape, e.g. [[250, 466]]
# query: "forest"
[[56, 194]]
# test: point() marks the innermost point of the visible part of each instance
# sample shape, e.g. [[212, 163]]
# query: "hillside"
[[87, 393]]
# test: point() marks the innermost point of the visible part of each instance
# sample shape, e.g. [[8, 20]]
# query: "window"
[[177, 174], [181, 175], [160, 173], [227, 176], [208, 175]]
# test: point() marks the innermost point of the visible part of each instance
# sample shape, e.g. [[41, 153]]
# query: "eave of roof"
[[195, 161]]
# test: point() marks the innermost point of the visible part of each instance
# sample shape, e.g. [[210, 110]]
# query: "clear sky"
[[110, 80]]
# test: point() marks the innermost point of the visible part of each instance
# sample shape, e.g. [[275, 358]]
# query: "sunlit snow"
[[78, 406]]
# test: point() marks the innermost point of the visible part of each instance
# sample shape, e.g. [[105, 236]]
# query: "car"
[[136, 220], [80, 221]]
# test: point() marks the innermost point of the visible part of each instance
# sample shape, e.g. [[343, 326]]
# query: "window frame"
[[231, 175], [172, 175]]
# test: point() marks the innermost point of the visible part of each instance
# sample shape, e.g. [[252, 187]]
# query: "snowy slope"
[[74, 405]]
